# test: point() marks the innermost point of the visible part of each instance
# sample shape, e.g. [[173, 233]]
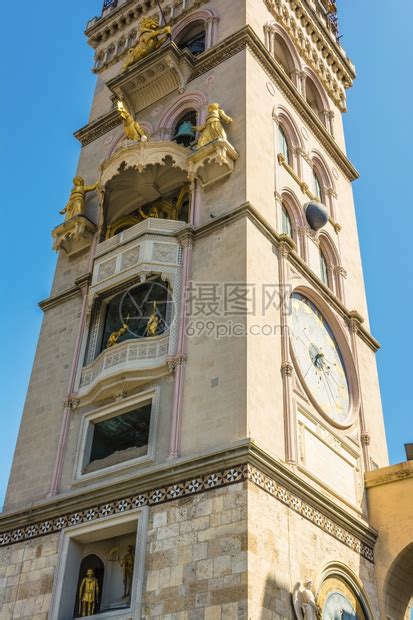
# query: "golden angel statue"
[[88, 594], [133, 130], [151, 37], [212, 129], [76, 202]]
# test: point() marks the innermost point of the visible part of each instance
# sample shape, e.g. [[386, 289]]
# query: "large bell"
[[184, 134], [197, 46]]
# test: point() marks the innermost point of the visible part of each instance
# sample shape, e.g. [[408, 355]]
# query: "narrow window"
[[317, 187], [286, 226], [283, 146], [324, 269]]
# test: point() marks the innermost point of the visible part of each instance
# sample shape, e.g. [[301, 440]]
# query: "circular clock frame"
[[346, 355]]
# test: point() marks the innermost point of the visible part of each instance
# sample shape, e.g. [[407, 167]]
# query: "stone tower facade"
[[204, 402]]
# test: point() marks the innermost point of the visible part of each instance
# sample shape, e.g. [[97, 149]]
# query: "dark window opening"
[[194, 39], [172, 206], [143, 310], [129, 431]]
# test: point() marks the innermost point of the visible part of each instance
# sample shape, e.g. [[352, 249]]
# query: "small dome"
[[316, 214]]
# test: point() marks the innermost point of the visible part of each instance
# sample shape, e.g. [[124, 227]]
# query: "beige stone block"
[[176, 578], [204, 569], [152, 580], [213, 613]]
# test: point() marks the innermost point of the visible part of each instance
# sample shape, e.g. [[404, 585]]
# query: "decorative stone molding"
[[102, 29], [74, 235], [98, 127], [246, 38], [320, 50], [212, 162], [139, 155], [216, 478], [145, 82]]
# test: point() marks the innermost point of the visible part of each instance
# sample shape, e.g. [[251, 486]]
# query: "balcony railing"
[[139, 358]]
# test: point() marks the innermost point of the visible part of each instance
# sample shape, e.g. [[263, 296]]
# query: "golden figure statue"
[[153, 212], [213, 129], [133, 130], [151, 37], [153, 322], [127, 563], [88, 594], [76, 203], [114, 337]]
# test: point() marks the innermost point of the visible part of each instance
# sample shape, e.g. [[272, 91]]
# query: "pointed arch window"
[[317, 187], [324, 269], [283, 146], [286, 225]]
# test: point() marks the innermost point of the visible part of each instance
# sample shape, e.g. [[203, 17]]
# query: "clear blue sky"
[[47, 91]]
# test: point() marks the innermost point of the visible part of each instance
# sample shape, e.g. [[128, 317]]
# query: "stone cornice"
[[73, 291], [248, 210], [126, 14], [317, 32], [389, 475], [240, 462], [246, 38], [99, 127]]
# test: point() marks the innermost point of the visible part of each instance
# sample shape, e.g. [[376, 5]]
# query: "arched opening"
[[399, 586], [184, 132], [340, 596], [286, 224], [324, 268], [193, 38], [283, 55], [158, 191], [89, 563], [284, 146], [314, 99], [318, 186]]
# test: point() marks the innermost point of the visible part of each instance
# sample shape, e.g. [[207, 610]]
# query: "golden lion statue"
[[151, 37]]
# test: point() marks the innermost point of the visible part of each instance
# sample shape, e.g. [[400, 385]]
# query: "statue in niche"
[[127, 563], [153, 322], [133, 130], [151, 37], [304, 603], [76, 202], [213, 129], [88, 594], [114, 337]]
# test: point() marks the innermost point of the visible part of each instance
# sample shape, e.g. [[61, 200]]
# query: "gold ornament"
[[76, 202], [133, 130], [212, 128], [153, 322], [88, 594], [151, 37], [114, 337]]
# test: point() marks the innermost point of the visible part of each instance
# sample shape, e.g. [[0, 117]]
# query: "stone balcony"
[[130, 362], [163, 72], [150, 248]]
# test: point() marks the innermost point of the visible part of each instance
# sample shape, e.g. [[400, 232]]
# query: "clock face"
[[319, 359]]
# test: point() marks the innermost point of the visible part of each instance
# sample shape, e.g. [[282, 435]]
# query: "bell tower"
[[204, 403]]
